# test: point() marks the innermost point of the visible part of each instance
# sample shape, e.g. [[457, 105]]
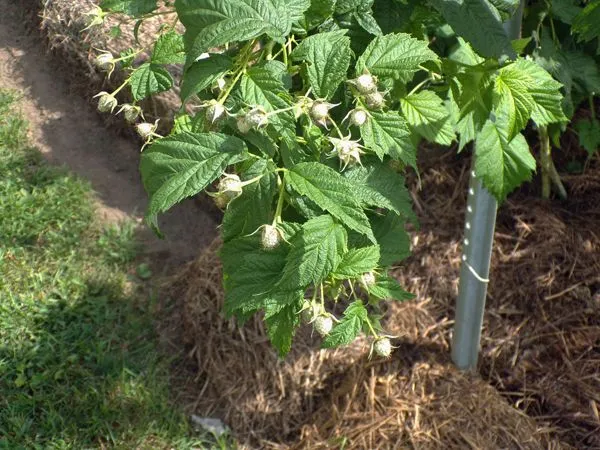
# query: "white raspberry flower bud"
[[146, 129], [368, 279], [257, 117], [366, 83], [105, 61], [270, 237], [221, 200], [383, 347], [230, 185], [130, 112], [375, 100], [310, 311], [94, 17], [243, 124], [358, 117], [323, 325], [319, 111], [107, 102]]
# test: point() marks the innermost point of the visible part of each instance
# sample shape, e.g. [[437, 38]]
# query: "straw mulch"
[[62, 23], [539, 379]]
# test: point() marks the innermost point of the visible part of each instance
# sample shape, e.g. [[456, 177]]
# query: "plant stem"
[[371, 329], [247, 52], [592, 107], [279, 208], [549, 173]]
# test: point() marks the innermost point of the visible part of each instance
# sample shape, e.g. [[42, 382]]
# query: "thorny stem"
[[549, 173]]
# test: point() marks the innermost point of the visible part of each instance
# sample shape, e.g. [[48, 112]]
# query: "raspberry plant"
[[299, 117]]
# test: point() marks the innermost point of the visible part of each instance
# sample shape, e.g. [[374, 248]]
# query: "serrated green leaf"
[[357, 261], [149, 79], [260, 87], [588, 131], [392, 237], [349, 327], [395, 55], [387, 288], [428, 116], [387, 133], [281, 326], [316, 251], [545, 91], [246, 213], [331, 192], [169, 49], [587, 23], [182, 165], [479, 23], [512, 97], [213, 23], [382, 187], [134, 8], [500, 163], [328, 57], [318, 13], [203, 74], [346, 6]]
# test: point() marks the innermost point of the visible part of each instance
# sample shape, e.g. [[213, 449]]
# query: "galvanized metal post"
[[480, 223]]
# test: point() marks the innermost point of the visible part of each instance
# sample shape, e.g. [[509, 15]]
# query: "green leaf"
[[282, 323], [182, 165], [331, 192], [382, 187], [512, 97], [386, 133], [328, 56], [428, 116], [149, 79], [500, 163], [318, 13], [349, 327], [169, 49], [387, 288], [134, 8], [392, 237], [395, 55], [315, 252], [589, 135], [545, 91], [479, 23], [246, 213], [213, 23], [564, 10], [260, 87], [203, 74], [357, 261], [368, 22], [587, 24]]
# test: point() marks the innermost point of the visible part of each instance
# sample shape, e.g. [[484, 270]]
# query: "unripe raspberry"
[[107, 102], [130, 112], [358, 117], [270, 237], [323, 325], [319, 111], [257, 117], [383, 347], [146, 129], [105, 61], [365, 84], [367, 279], [221, 200], [243, 125], [375, 100], [214, 111]]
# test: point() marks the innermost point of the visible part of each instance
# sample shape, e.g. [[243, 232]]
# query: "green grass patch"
[[80, 365]]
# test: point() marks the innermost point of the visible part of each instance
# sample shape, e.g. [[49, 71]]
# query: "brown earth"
[[69, 132]]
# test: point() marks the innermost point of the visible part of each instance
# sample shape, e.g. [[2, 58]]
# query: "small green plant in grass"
[[79, 362], [300, 119]]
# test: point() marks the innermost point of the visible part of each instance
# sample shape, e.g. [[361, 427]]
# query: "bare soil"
[[68, 131]]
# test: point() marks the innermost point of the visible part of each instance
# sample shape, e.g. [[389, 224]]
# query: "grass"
[[80, 365]]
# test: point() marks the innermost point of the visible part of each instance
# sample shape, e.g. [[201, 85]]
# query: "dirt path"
[[69, 132]]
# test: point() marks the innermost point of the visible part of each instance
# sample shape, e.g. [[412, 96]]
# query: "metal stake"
[[480, 223]]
